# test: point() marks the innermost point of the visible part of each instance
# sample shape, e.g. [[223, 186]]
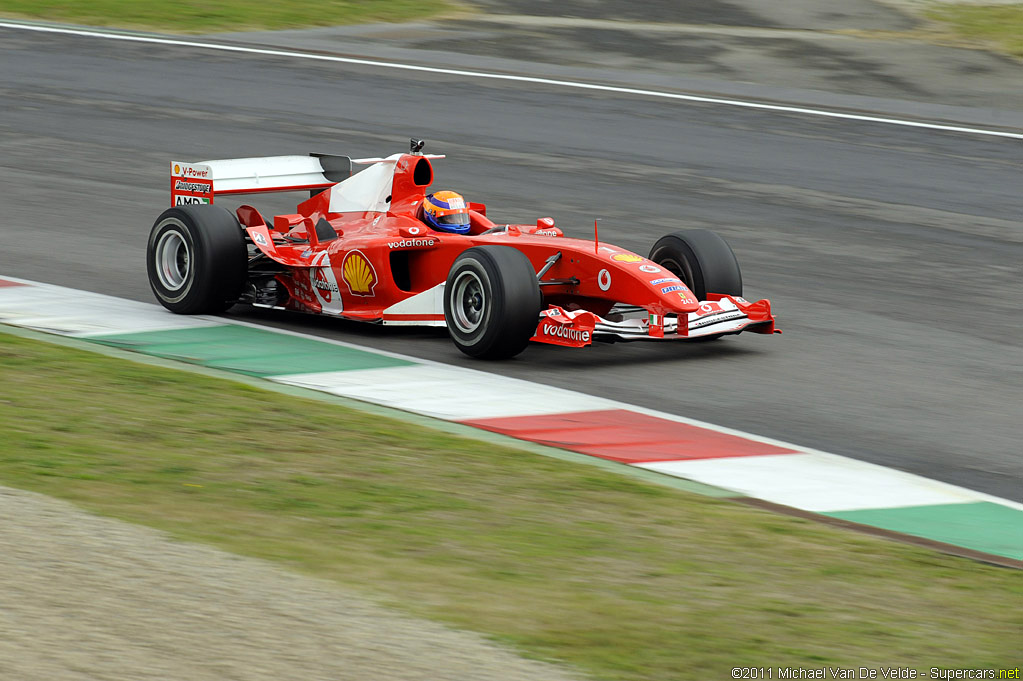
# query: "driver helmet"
[[446, 211]]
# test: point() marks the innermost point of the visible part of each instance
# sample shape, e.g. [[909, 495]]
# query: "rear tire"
[[196, 259], [700, 258], [492, 302]]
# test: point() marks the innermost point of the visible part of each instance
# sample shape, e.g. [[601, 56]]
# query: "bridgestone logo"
[[197, 187], [566, 333], [410, 243]]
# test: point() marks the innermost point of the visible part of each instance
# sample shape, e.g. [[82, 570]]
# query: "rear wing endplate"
[[199, 182]]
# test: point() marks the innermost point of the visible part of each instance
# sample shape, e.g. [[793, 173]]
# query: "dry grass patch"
[[621, 578], [201, 16], [999, 26]]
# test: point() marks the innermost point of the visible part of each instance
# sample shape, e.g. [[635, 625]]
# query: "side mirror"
[[545, 223]]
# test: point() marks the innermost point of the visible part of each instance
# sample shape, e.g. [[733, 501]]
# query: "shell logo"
[[626, 257], [358, 273], [177, 169]]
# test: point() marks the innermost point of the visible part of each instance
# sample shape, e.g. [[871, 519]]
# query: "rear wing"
[[199, 182]]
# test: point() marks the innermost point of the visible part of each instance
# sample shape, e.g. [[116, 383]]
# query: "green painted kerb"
[[248, 350], [983, 526]]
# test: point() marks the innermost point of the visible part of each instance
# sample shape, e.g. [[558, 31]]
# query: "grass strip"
[[618, 577], [200, 16], [998, 26]]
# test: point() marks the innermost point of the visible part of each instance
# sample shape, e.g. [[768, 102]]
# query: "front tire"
[[492, 302], [196, 259], [701, 259]]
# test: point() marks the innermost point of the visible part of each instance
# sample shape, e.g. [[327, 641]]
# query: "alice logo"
[[359, 274], [322, 285]]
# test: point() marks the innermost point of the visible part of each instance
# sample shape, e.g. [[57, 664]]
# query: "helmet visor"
[[458, 219]]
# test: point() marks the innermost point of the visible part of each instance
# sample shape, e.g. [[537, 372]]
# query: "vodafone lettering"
[[411, 243], [566, 332]]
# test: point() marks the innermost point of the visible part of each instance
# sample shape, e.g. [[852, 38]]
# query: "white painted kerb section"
[[818, 482], [55, 309], [447, 392]]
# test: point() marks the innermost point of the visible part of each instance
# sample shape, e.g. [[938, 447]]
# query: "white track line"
[[520, 79]]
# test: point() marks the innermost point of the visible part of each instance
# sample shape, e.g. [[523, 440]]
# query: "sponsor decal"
[[411, 243], [607, 249], [189, 192], [455, 202], [303, 289], [358, 273], [545, 232], [301, 292], [685, 297], [259, 238], [326, 288], [194, 187], [626, 257], [700, 319], [566, 332], [604, 280], [672, 289], [306, 253], [189, 200], [325, 285], [192, 171], [742, 300], [707, 308], [665, 280], [649, 269]]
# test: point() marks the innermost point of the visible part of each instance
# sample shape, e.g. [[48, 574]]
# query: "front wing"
[[721, 315]]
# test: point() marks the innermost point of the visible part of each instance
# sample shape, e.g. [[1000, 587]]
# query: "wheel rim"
[[469, 302], [679, 270], [173, 260]]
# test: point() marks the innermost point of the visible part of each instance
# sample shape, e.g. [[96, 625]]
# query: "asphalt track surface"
[[891, 254]]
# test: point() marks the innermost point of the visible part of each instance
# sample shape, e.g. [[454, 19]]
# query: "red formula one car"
[[359, 249]]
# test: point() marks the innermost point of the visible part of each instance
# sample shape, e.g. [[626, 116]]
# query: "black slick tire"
[[700, 258], [196, 259], [492, 302]]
